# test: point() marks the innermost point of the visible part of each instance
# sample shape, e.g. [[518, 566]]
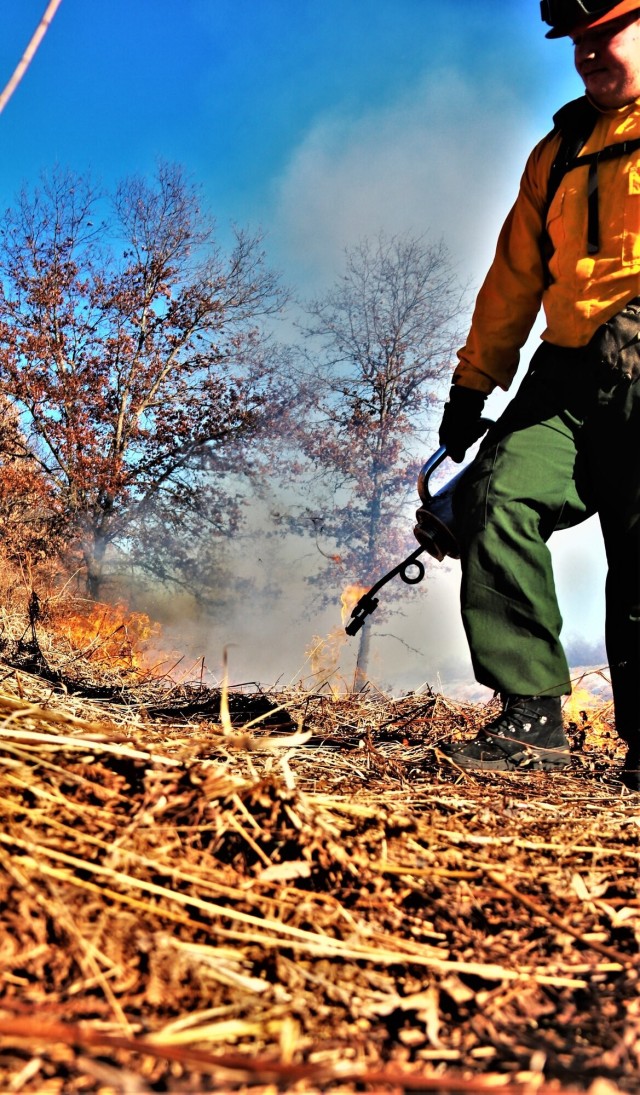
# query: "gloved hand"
[[617, 342], [461, 424]]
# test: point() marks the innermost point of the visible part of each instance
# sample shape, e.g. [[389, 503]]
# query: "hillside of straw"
[[206, 889]]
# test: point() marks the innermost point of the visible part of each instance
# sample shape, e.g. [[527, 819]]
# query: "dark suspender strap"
[[593, 219], [574, 121], [609, 152], [592, 160]]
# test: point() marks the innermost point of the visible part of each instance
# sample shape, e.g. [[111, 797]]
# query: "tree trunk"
[[94, 553], [364, 645], [362, 661]]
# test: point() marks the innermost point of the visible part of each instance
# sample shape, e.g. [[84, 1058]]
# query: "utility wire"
[[29, 52]]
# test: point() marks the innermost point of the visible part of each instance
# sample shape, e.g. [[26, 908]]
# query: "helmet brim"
[[623, 8]]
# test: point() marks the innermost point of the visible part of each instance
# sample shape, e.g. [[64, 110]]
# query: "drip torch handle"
[[427, 471], [435, 461]]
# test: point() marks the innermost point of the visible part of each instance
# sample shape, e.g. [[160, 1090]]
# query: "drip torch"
[[434, 530]]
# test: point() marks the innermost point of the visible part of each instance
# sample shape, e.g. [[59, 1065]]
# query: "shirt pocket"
[[631, 219]]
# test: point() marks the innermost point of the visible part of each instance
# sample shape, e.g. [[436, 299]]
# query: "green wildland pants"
[[567, 446]]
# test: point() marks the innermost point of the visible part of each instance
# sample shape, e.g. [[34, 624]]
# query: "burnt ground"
[[317, 902]]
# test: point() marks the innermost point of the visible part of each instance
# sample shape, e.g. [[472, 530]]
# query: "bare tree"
[[382, 340], [131, 348]]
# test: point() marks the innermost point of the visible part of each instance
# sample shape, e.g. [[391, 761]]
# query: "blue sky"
[[265, 102], [320, 121]]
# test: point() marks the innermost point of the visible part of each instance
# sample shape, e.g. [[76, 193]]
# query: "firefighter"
[[568, 444]]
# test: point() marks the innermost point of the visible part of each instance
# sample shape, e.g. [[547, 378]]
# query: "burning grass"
[[191, 905]]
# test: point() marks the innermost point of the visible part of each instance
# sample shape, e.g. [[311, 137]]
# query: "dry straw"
[[320, 906]]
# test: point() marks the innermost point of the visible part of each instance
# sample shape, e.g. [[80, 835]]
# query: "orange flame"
[[324, 654], [349, 599], [323, 657], [580, 700], [110, 635]]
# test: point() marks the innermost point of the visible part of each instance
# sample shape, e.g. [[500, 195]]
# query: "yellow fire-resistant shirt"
[[586, 290]]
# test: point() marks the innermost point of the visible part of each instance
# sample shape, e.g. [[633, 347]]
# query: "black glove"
[[461, 422], [616, 344]]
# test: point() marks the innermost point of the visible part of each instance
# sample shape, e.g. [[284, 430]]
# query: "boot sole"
[[534, 760]]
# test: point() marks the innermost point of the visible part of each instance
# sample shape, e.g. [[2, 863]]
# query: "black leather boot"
[[527, 735], [630, 774]]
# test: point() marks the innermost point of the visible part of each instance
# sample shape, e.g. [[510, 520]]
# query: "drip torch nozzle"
[[365, 606]]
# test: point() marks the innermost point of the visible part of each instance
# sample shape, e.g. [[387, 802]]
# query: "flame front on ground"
[[581, 700], [109, 634], [324, 654]]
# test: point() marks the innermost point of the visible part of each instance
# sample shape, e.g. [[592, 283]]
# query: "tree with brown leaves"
[[29, 518], [382, 341], [131, 348]]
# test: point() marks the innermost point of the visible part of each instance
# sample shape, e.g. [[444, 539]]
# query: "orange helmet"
[[565, 16]]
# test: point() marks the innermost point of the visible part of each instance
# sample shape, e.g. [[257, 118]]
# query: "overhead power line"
[[29, 52]]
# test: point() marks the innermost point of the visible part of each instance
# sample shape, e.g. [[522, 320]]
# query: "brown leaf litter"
[[188, 907]]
